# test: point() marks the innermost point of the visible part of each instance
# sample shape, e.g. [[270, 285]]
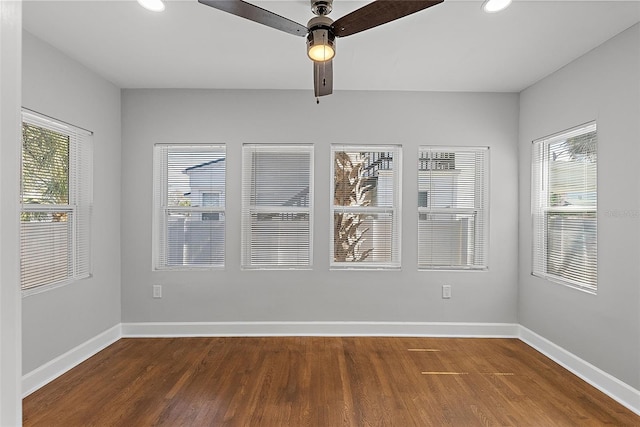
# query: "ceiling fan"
[[321, 31]]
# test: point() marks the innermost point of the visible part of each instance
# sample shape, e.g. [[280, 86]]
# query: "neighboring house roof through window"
[[204, 164]]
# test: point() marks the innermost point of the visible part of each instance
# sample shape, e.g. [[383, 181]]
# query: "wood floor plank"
[[319, 382]]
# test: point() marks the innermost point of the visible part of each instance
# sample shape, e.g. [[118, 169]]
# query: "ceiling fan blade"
[[257, 14], [323, 78], [377, 13]]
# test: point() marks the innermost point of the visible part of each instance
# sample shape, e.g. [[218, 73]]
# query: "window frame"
[[541, 208], [161, 208], [395, 210], [480, 210], [79, 205], [248, 208]]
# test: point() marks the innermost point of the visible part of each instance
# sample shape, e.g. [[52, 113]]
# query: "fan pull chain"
[[324, 47], [324, 65]]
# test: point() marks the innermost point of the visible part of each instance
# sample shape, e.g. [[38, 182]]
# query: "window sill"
[[566, 283], [46, 288]]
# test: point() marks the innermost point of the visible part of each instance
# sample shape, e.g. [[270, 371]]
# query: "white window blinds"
[[365, 212], [453, 207], [564, 207], [189, 199], [277, 205], [56, 197]]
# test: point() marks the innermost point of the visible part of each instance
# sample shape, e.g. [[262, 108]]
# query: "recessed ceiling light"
[[495, 5], [152, 5]]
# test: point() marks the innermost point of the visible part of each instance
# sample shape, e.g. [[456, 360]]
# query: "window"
[[564, 204], [365, 213], [277, 205], [189, 200], [56, 198], [453, 221]]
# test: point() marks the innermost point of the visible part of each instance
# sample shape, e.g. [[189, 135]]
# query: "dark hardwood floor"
[[313, 381]]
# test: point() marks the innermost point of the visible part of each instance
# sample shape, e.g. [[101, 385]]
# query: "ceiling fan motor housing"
[[321, 41]]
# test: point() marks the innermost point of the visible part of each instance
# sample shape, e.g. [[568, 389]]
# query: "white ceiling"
[[453, 46]]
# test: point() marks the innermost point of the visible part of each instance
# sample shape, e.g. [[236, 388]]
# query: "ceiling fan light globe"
[[492, 6], [321, 45], [321, 53]]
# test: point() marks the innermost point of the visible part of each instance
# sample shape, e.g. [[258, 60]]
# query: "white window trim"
[[481, 238], [537, 238], [73, 132], [396, 209], [161, 208], [247, 209]]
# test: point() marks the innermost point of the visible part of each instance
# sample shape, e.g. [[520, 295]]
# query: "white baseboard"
[[61, 364], [391, 329], [46, 373], [611, 386], [616, 389]]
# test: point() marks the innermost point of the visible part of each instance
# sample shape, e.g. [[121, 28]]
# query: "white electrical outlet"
[[157, 291], [446, 291]]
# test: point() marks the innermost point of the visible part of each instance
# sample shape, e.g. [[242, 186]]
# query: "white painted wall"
[[235, 117], [10, 348], [56, 321], [603, 85]]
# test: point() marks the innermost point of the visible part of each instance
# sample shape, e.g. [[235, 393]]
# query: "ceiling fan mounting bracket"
[[321, 7]]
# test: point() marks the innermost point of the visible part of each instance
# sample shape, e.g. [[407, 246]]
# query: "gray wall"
[[58, 320], [10, 307], [235, 117], [603, 329]]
